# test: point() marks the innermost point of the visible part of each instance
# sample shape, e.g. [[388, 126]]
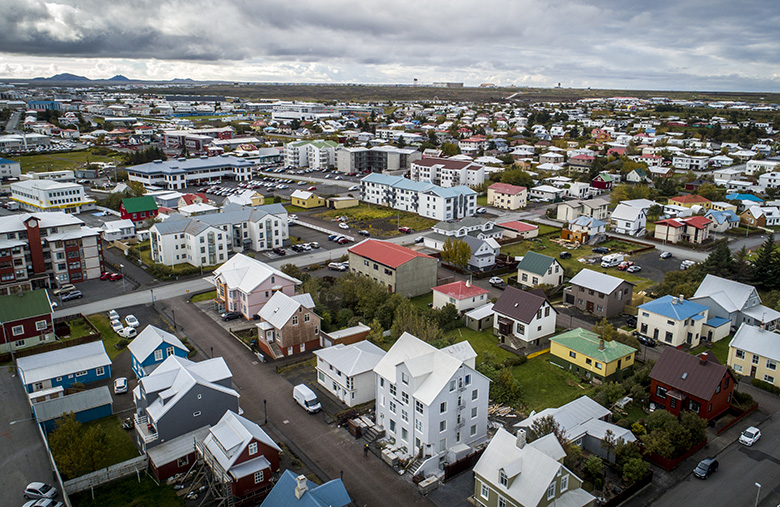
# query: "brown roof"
[[519, 305], [688, 373]]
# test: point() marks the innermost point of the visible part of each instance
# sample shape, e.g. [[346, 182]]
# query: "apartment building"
[[690, 162], [505, 196], [378, 159], [447, 173], [176, 174], [312, 154], [401, 269], [47, 195]]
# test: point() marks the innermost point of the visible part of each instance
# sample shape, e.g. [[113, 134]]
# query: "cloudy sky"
[[658, 45]]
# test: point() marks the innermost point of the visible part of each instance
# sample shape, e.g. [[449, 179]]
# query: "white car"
[[496, 279], [120, 385], [750, 436], [113, 315], [131, 321], [666, 255], [128, 332], [39, 490], [353, 188], [117, 326], [293, 217], [342, 225]]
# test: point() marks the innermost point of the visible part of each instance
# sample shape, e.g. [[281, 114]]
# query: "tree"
[[765, 263], [294, 271], [517, 177], [634, 469], [450, 149], [609, 443], [544, 426], [712, 192], [593, 466], [667, 187], [409, 319], [77, 449], [137, 187], [719, 262], [456, 252], [506, 389]]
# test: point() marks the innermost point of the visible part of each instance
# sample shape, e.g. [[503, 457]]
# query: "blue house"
[[151, 347], [87, 406], [63, 367], [298, 491]]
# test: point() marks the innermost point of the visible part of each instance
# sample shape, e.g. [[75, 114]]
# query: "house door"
[[655, 334], [589, 306], [752, 371], [269, 336], [620, 361]]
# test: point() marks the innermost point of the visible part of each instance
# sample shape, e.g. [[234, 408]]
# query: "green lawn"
[[547, 229], [128, 492], [719, 348], [293, 209], [79, 328], [545, 385], [482, 200], [422, 301], [482, 342], [206, 296], [380, 220], [61, 161], [120, 441], [110, 338]]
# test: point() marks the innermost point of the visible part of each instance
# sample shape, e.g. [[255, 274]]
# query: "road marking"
[[255, 363], [286, 421]]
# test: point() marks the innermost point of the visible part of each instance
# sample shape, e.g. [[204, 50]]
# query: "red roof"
[[190, 198], [698, 222], [460, 290], [671, 222], [518, 226], [583, 157], [689, 199], [385, 252], [506, 188]]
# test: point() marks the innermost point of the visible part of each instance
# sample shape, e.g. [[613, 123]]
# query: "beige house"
[[755, 352], [399, 268], [695, 229], [505, 196], [673, 321], [537, 269], [593, 208]]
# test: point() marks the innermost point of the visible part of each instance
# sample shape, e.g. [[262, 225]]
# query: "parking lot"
[[653, 266]]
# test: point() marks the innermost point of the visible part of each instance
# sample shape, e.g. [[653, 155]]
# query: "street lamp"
[[122, 267], [265, 412], [758, 493]]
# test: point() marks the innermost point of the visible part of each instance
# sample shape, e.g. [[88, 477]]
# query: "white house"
[[523, 318], [755, 352], [463, 295], [537, 269], [735, 301], [628, 220], [546, 193], [430, 400], [754, 166], [118, 230], [447, 172], [347, 371], [10, 168]]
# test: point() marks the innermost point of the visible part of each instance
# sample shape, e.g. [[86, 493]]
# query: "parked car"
[[230, 316], [342, 241], [686, 264], [297, 247], [293, 217], [565, 255], [405, 230], [364, 233], [624, 265], [666, 255], [40, 490], [131, 321], [601, 250], [115, 276], [44, 502], [353, 188], [334, 237], [306, 398], [419, 239], [314, 244], [481, 210], [64, 289], [120, 385], [312, 188], [280, 251], [497, 281], [750, 436], [705, 468], [104, 275], [631, 320], [127, 332], [76, 294], [117, 325], [645, 340], [113, 315], [342, 225], [337, 266], [634, 269]]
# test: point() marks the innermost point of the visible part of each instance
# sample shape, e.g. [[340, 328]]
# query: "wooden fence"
[[453, 469], [105, 475], [630, 490], [670, 464], [60, 344]]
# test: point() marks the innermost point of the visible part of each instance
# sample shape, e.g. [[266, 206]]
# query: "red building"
[[700, 384], [25, 320], [138, 209], [603, 181]]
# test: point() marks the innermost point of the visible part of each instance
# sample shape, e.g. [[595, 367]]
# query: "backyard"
[[129, 492], [482, 342], [720, 348], [78, 328], [110, 338], [119, 441], [545, 385], [379, 220], [62, 161]]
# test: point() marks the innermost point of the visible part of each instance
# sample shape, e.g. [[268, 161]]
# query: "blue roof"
[[176, 166], [331, 494], [678, 311], [6, 161], [722, 216], [743, 197], [717, 322]]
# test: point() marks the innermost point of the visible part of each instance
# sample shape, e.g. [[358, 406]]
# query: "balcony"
[[145, 429]]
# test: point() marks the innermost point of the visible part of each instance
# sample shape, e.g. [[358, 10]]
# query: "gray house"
[[598, 293], [180, 396]]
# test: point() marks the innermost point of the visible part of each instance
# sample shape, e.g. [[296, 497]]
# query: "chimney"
[[704, 356], [674, 301], [521, 437], [301, 487], [682, 298], [468, 283], [601, 344]]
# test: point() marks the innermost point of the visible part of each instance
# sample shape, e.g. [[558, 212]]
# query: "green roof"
[[606, 177], [587, 343], [138, 204], [535, 263], [29, 304]]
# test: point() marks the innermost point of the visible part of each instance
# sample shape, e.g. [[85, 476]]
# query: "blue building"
[[299, 491], [63, 367], [87, 406], [151, 347]]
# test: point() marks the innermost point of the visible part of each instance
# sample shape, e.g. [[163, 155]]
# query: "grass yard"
[[482, 200], [720, 348], [79, 328], [61, 161], [547, 229], [380, 220], [422, 301], [110, 338], [546, 385], [176, 269], [482, 342], [120, 441], [129, 492], [206, 296], [293, 209]]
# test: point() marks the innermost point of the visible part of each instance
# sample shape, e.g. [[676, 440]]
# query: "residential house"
[[305, 199], [463, 295], [180, 396], [177, 455], [118, 230], [138, 209], [681, 381], [84, 363], [547, 193], [244, 198], [151, 347], [603, 181], [597, 293], [737, 302], [515, 229], [480, 318], [447, 172], [430, 400], [512, 471], [722, 221], [592, 208], [245, 284], [290, 490], [483, 252], [523, 319], [385, 159], [755, 352], [241, 457], [288, 325], [346, 336], [585, 424], [690, 162], [26, 320], [581, 163], [661, 172], [86, 406], [401, 269], [637, 175], [551, 157], [583, 228], [695, 229], [753, 217], [673, 321], [629, 220], [689, 200], [190, 199], [537, 269], [506, 196], [347, 371], [586, 353], [478, 228], [10, 169]]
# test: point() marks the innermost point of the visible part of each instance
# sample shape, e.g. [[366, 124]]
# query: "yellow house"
[[584, 352], [754, 352], [306, 199]]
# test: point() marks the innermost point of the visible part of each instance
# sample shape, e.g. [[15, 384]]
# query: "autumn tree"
[[78, 449], [456, 252]]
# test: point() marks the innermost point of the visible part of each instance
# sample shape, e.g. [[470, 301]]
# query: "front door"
[[269, 336], [752, 371], [589, 306]]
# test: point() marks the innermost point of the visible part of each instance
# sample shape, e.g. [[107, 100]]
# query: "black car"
[[565, 255], [76, 294], [705, 468], [631, 321], [230, 316], [280, 251], [645, 340], [601, 250], [297, 248]]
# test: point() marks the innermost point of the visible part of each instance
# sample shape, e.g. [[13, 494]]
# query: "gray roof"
[[62, 362], [176, 447], [757, 341], [463, 222], [352, 359], [175, 166], [281, 307], [149, 339], [600, 282], [78, 402], [731, 295], [231, 214], [624, 212]]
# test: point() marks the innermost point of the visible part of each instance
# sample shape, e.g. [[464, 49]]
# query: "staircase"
[[373, 433], [275, 350], [415, 466]]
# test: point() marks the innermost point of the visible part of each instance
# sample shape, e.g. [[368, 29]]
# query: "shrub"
[[766, 386], [742, 400], [634, 469], [124, 342]]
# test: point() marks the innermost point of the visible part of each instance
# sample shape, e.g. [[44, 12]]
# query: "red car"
[[405, 230], [115, 276], [311, 188], [343, 241], [105, 275]]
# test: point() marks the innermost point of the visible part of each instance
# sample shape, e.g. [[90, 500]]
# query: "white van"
[[612, 260], [306, 398]]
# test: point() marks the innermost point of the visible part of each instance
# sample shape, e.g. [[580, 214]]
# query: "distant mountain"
[[63, 77], [118, 77]]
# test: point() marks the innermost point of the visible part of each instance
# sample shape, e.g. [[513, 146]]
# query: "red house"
[[240, 454], [603, 181], [25, 320], [700, 384], [138, 209]]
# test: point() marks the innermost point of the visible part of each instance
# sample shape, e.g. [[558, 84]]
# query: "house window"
[[484, 491], [474, 412], [737, 368], [520, 328], [392, 407], [258, 477], [573, 355], [295, 320], [404, 435], [473, 430], [564, 483], [392, 426], [81, 373], [551, 491], [404, 378], [169, 351], [100, 371], [393, 390], [740, 354], [452, 385], [443, 426], [443, 407], [547, 312], [404, 415], [158, 355], [183, 461], [405, 398], [769, 378], [381, 380], [672, 403], [40, 325], [418, 425], [253, 448], [772, 365], [467, 380], [660, 392], [588, 360], [525, 277], [726, 383], [502, 478], [694, 406], [306, 317], [474, 394], [598, 365], [668, 337], [418, 406], [17, 330], [501, 501]]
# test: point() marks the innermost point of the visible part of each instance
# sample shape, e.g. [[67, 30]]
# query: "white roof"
[[547, 189], [431, 368], [149, 339], [281, 307], [731, 295], [15, 222], [245, 274], [640, 203], [352, 359], [481, 312], [597, 281], [757, 341], [176, 447], [349, 331], [301, 194], [116, 225], [625, 212], [231, 435], [62, 362]]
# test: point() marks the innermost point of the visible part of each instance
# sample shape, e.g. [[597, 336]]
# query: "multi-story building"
[[755, 352], [10, 169], [447, 173], [347, 371], [430, 400], [401, 269], [505, 196], [47, 195], [754, 166], [597, 293], [378, 159], [38, 249], [176, 174], [425, 199], [673, 321], [522, 319], [694, 229], [735, 302], [288, 325], [537, 269], [195, 140], [25, 320], [314, 154], [690, 163], [592, 208]]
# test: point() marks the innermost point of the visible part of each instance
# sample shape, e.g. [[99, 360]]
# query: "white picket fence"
[[106, 475]]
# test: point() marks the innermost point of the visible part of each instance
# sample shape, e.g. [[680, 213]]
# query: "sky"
[[711, 45]]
